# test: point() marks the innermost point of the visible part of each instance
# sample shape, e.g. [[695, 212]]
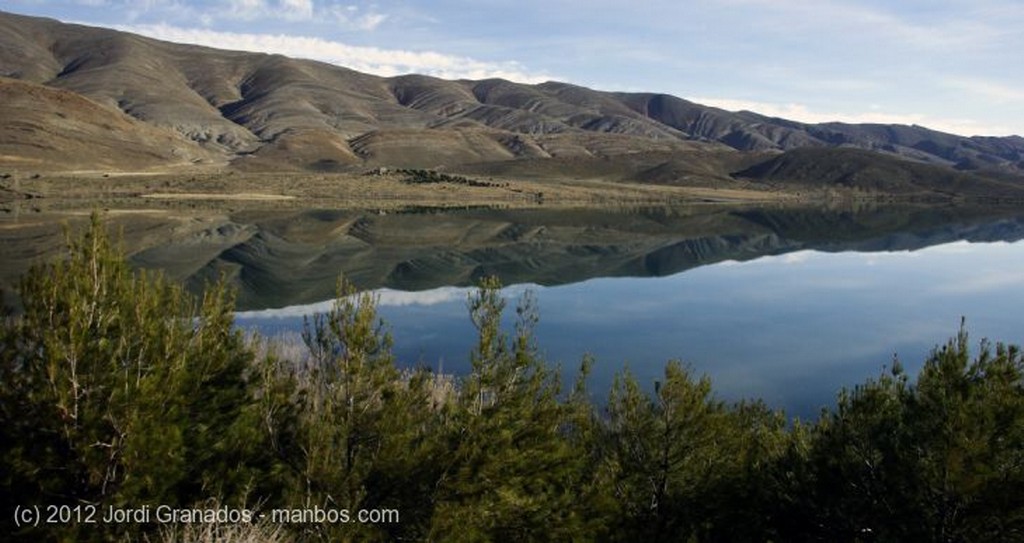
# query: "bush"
[[941, 459], [121, 389]]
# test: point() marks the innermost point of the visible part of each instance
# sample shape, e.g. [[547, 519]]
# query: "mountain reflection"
[[295, 258]]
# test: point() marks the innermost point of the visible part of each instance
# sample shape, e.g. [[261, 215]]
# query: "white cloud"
[[351, 16], [388, 297], [250, 10], [802, 113], [862, 23], [989, 90], [385, 298], [798, 257], [962, 247], [289, 312], [374, 60], [245, 10], [297, 10], [371, 21], [141, 9]]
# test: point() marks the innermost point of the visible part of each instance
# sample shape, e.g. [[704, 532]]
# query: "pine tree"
[[939, 460], [666, 451], [121, 389], [510, 471], [363, 429]]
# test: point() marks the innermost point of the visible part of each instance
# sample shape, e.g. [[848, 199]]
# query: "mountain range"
[[79, 98]]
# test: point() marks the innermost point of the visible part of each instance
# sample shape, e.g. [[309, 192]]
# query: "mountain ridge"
[[258, 111]]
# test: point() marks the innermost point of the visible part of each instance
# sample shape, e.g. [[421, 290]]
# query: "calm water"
[[791, 329], [786, 304]]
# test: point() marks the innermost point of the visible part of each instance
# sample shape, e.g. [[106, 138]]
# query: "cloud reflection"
[[792, 329], [386, 298]]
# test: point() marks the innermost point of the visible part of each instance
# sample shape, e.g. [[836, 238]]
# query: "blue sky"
[[951, 65]]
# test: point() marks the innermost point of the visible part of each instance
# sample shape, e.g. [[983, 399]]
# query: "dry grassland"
[[28, 194]]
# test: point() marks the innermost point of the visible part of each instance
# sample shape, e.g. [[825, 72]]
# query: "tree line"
[[120, 389]]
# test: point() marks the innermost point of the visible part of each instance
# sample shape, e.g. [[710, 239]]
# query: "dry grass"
[[216, 196], [30, 194], [292, 352], [259, 532]]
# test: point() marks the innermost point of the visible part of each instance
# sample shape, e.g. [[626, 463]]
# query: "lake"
[[788, 324], [786, 304], [791, 329]]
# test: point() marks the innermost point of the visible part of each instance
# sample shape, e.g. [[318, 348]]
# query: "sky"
[[951, 65]]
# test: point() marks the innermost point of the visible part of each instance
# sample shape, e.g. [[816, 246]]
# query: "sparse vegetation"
[[425, 177], [121, 390]]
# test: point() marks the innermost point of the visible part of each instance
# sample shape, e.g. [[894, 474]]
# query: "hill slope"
[[41, 123], [268, 112]]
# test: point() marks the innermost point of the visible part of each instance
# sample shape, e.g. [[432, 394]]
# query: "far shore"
[[147, 190]]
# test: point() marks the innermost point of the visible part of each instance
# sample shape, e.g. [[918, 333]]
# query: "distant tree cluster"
[[423, 177], [119, 389]]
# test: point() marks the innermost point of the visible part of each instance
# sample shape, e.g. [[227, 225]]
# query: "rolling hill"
[[86, 98]]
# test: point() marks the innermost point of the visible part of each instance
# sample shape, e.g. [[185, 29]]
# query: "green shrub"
[[121, 389]]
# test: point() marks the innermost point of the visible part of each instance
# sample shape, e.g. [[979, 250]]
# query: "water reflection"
[[295, 257], [791, 329], [292, 257], [788, 304]]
